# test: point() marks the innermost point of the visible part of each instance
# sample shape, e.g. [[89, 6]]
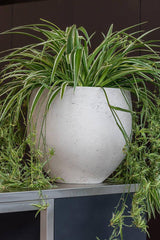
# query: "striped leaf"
[[77, 64], [35, 101], [56, 62]]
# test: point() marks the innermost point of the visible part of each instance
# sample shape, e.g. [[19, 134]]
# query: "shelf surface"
[[67, 190]]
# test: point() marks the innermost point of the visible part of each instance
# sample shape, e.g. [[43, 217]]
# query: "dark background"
[[94, 15], [84, 218], [19, 226]]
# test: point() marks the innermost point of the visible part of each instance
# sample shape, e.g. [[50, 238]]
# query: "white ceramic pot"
[[80, 127]]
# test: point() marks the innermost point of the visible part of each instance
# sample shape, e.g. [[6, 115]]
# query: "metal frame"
[[26, 201]]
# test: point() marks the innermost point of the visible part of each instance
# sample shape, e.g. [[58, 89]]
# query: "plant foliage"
[[64, 58], [142, 166], [20, 167]]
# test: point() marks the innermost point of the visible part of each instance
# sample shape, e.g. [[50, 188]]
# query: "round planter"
[[81, 129]]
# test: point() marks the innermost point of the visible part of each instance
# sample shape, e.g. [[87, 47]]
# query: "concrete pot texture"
[[81, 129]]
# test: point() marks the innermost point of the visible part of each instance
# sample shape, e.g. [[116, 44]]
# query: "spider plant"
[[65, 58]]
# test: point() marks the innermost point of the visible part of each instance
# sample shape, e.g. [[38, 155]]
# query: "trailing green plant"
[[142, 166], [64, 58], [20, 165], [42, 205]]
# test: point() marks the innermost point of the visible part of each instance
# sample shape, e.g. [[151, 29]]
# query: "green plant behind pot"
[[20, 167]]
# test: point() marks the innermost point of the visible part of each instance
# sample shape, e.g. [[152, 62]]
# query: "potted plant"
[[62, 64]]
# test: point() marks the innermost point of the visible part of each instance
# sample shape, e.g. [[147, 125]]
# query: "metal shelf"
[[23, 201]]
